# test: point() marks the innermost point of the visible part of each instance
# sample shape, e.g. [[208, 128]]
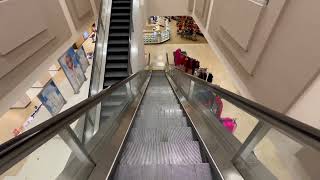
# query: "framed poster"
[[81, 55], [72, 68], [51, 98]]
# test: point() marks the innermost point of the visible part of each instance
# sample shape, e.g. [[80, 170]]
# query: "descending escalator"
[[161, 145], [118, 52], [117, 55]]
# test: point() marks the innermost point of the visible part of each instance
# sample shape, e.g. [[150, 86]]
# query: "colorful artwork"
[[72, 68], [83, 59], [51, 98]]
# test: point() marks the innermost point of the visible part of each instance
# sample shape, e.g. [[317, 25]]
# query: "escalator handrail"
[[287, 125], [24, 144]]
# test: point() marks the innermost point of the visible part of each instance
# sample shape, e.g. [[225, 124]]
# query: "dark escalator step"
[[112, 74], [116, 66], [120, 9], [120, 15], [108, 83], [117, 58], [119, 27], [161, 134], [121, 2], [117, 49], [118, 35], [120, 20], [182, 153], [118, 42]]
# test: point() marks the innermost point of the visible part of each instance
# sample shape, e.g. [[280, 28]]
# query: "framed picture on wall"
[[81, 55], [51, 98], [71, 66]]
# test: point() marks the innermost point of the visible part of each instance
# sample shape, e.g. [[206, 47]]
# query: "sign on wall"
[[81, 55], [51, 98], [72, 68]]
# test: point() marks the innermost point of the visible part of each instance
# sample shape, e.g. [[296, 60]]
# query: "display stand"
[[22, 103], [157, 33], [55, 67], [43, 81]]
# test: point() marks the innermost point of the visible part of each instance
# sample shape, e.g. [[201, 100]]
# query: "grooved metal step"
[[187, 152], [156, 122], [164, 172], [160, 144], [160, 134]]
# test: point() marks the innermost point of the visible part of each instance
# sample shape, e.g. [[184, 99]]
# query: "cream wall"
[[307, 106], [39, 35], [282, 56], [166, 7], [138, 61]]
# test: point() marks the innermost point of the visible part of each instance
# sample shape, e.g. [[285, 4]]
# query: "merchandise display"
[[206, 98], [157, 31], [72, 69], [187, 28], [52, 98]]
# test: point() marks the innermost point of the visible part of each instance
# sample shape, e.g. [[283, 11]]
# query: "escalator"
[[118, 51], [159, 130], [118, 54], [161, 144]]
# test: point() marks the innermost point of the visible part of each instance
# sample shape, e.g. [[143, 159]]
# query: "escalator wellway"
[[160, 144], [118, 42], [117, 56]]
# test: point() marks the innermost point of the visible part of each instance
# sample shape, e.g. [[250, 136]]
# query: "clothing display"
[[229, 123], [206, 98]]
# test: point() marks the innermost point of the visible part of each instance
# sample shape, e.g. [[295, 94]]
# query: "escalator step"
[[156, 122], [118, 42], [119, 27], [120, 14], [118, 49], [117, 57], [161, 134], [121, 2], [116, 74], [182, 153], [164, 172], [108, 83], [119, 35], [120, 20], [117, 66], [121, 8]]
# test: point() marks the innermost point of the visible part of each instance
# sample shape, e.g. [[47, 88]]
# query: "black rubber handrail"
[[296, 129]]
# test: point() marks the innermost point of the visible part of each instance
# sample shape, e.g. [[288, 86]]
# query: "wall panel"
[[38, 31], [201, 10], [81, 12], [283, 55]]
